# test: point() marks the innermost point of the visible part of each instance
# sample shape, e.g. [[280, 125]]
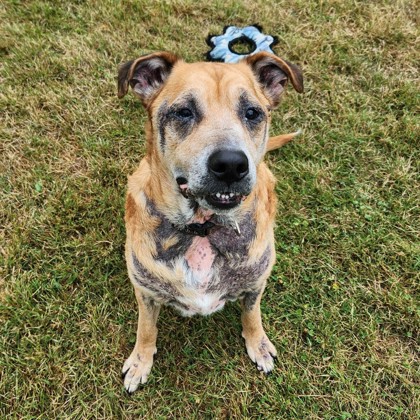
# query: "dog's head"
[[209, 121]]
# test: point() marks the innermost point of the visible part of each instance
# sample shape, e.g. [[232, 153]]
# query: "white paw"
[[136, 369], [262, 352]]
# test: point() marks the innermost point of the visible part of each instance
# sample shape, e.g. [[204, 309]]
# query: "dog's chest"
[[212, 277], [200, 255], [202, 273]]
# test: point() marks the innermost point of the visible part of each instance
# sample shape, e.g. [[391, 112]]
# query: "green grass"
[[342, 304]]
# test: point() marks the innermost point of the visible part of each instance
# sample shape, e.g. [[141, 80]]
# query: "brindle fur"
[[195, 110]]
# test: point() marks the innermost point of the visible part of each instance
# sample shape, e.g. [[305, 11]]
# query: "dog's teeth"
[[228, 196]]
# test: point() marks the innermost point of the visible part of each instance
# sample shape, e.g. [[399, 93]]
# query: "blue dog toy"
[[252, 36]]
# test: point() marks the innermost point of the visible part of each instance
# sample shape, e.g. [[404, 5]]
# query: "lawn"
[[342, 304]]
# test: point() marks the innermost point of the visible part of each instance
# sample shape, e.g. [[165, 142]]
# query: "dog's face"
[[209, 120]]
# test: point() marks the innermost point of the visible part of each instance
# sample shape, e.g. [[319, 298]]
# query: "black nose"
[[228, 165]]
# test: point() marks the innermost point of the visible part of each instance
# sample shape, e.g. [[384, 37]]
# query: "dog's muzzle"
[[226, 181], [227, 168]]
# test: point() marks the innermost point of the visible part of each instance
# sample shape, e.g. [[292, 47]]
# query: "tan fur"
[[265, 213], [279, 141], [218, 94]]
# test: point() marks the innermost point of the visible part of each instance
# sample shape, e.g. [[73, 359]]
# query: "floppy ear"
[[273, 74], [146, 75]]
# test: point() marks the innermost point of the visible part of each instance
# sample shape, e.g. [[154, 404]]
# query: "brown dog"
[[200, 208]]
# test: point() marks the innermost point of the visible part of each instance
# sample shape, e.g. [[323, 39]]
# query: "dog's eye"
[[184, 114], [252, 114]]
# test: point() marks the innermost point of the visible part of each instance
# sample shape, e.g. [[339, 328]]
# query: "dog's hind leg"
[[259, 347], [137, 367]]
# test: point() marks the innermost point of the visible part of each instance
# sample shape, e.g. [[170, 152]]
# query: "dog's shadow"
[[198, 344]]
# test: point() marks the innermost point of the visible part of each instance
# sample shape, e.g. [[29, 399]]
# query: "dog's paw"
[[136, 369], [262, 352]]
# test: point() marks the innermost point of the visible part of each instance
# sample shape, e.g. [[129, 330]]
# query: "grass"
[[342, 304]]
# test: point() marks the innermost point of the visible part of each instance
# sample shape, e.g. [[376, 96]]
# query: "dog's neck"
[[202, 223], [197, 229]]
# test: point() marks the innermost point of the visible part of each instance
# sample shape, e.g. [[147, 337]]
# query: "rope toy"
[[252, 36]]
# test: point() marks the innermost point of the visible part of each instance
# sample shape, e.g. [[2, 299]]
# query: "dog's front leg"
[[137, 367], [259, 347]]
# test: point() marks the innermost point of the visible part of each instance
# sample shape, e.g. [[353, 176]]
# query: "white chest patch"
[[200, 258], [200, 304]]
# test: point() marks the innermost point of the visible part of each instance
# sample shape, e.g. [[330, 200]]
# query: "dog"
[[200, 208]]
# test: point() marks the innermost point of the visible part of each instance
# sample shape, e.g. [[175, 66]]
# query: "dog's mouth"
[[223, 200]]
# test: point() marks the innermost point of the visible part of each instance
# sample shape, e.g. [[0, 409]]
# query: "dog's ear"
[[146, 75], [273, 74]]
